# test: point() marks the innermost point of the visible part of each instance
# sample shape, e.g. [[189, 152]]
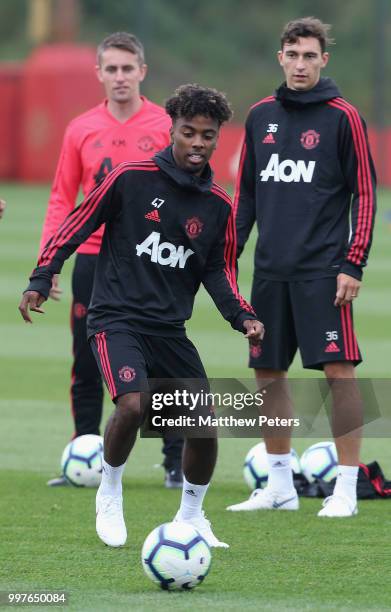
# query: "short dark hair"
[[307, 27], [124, 41], [192, 99]]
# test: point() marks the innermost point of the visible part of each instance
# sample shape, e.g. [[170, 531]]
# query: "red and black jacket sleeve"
[[102, 204], [244, 199], [360, 176], [219, 278]]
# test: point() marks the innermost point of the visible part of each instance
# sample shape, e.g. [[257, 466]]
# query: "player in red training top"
[[125, 126]]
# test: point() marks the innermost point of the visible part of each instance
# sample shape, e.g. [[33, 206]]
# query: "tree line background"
[[230, 45]]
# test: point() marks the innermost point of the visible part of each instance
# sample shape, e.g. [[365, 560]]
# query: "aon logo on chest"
[[165, 253], [288, 170]]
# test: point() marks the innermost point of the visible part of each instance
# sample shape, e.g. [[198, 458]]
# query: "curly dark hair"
[[192, 99]]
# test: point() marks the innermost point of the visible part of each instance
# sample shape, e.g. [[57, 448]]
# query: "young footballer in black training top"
[[168, 229], [306, 173]]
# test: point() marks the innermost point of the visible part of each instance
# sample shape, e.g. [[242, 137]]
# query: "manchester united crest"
[[146, 144], [255, 350], [127, 374], [193, 227], [310, 139], [79, 310]]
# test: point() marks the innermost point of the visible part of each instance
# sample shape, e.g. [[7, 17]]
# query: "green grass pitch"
[[277, 561]]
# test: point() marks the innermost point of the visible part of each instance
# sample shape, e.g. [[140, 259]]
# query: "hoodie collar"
[[165, 160], [323, 91]]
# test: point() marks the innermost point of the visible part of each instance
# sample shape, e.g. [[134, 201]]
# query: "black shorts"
[[301, 314], [127, 359]]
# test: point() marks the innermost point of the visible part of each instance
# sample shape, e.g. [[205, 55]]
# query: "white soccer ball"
[[320, 461], [175, 556], [256, 467], [81, 461]]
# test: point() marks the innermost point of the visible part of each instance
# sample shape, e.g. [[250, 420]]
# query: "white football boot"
[[204, 528], [338, 506], [266, 499], [110, 524]]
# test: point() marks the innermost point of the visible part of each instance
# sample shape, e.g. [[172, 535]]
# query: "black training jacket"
[[166, 232], [306, 177]]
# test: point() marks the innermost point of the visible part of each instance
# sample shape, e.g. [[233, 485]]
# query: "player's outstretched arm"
[[98, 208], [31, 301]]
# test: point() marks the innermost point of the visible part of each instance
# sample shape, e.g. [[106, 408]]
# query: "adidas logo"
[[153, 216], [190, 492], [269, 139], [332, 348]]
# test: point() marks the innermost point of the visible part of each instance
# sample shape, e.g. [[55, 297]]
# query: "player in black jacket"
[[305, 172], [168, 229]]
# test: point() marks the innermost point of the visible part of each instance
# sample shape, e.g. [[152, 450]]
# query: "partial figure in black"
[[305, 175], [168, 229]]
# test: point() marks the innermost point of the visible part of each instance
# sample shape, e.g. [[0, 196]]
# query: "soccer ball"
[[81, 461], [320, 461], [176, 556], [256, 467]]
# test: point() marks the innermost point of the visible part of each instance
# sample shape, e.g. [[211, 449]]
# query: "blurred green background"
[[220, 43]]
